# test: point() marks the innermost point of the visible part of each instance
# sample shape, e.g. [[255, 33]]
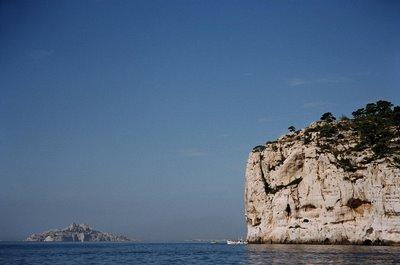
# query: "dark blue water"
[[131, 253]]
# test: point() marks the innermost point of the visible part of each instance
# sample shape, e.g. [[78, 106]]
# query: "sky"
[[137, 117]]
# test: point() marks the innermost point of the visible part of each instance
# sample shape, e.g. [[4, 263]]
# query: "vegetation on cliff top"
[[378, 125], [374, 129]]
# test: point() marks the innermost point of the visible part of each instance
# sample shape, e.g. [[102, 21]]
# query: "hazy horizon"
[[137, 117]]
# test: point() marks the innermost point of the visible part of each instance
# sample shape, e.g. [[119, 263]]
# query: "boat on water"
[[236, 242]]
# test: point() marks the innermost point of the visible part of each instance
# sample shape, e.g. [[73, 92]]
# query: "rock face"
[[76, 233], [308, 188]]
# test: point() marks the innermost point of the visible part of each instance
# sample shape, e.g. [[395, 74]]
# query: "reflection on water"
[[322, 254], [133, 253]]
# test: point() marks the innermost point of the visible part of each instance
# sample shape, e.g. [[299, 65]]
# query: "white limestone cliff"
[[306, 189]]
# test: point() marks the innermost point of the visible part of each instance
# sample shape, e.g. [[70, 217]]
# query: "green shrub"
[[327, 130], [327, 116], [259, 148], [344, 118], [346, 165], [307, 138], [381, 149], [396, 161]]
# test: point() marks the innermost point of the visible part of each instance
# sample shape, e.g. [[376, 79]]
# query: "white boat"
[[236, 242]]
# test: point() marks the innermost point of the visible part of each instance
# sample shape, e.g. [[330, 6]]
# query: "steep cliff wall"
[[312, 187]]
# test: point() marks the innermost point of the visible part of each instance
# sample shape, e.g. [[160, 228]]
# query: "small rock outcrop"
[[76, 233], [334, 182]]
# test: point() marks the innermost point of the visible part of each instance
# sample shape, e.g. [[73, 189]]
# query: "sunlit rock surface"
[[304, 188]]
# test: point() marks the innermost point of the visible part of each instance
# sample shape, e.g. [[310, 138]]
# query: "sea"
[[197, 253]]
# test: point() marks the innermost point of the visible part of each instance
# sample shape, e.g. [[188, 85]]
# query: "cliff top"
[[371, 135]]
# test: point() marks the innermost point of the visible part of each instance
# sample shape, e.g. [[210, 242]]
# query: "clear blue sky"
[[137, 117]]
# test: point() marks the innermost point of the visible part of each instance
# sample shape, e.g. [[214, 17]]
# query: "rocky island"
[[76, 233], [334, 182]]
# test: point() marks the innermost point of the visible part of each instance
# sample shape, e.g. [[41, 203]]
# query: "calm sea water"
[[133, 253]]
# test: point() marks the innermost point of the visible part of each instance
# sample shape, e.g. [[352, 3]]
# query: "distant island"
[[334, 182], [76, 233]]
